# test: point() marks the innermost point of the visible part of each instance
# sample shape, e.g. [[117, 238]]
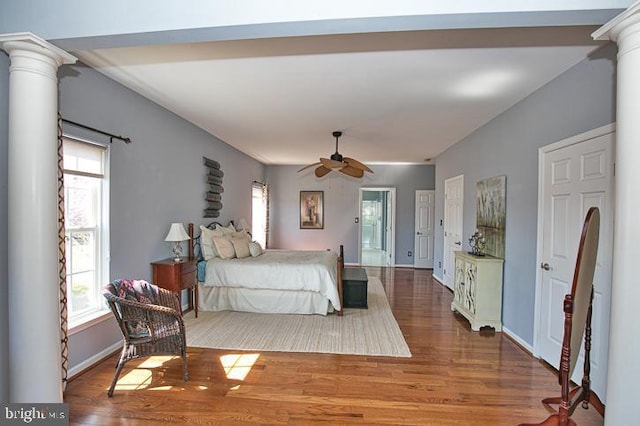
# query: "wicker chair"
[[151, 322]]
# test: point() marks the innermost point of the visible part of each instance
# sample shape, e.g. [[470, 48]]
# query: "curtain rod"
[[111, 135]]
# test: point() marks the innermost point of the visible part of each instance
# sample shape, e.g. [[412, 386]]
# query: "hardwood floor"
[[455, 377]]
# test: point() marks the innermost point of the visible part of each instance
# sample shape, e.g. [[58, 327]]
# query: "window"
[[86, 195], [259, 213]]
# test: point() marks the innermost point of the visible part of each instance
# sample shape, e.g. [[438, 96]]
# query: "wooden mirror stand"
[[577, 308]]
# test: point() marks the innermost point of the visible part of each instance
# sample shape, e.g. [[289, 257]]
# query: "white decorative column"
[[35, 371], [624, 341]]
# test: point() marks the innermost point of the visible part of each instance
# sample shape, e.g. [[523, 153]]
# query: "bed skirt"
[[262, 300]]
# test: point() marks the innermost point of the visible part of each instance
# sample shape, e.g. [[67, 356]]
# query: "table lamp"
[[176, 235]]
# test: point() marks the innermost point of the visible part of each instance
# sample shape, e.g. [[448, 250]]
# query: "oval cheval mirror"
[[578, 309]]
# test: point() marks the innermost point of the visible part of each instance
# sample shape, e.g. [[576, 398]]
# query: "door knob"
[[419, 233], [545, 266], [458, 243]]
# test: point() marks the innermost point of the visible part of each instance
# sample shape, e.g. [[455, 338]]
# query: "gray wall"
[[341, 207], [156, 180], [4, 314], [581, 99]]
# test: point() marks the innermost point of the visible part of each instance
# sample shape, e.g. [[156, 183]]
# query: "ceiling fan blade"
[[306, 167], [358, 165], [331, 164], [321, 171], [352, 171]]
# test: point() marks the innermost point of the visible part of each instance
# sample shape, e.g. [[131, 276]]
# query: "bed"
[[265, 281]]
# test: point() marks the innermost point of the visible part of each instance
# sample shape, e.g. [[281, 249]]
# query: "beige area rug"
[[373, 331]]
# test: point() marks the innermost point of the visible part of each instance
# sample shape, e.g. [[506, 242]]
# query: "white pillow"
[[255, 249], [243, 235], [206, 243], [241, 247], [224, 247], [226, 229]]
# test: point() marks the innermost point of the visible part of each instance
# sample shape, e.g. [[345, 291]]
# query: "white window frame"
[[259, 218], [100, 312]]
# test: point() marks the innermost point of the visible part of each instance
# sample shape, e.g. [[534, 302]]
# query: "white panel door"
[[423, 250], [573, 178], [453, 203]]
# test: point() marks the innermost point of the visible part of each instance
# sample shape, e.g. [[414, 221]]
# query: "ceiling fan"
[[345, 165]]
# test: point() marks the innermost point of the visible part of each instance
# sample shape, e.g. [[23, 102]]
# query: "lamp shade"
[[177, 233], [242, 224]]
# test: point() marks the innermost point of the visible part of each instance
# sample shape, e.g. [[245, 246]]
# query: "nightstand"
[[177, 276]]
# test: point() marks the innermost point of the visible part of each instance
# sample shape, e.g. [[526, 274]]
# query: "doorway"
[[377, 227], [424, 221], [453, 204], [574, 175]]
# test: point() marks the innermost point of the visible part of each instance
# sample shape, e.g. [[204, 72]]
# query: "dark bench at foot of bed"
[[354, 284]]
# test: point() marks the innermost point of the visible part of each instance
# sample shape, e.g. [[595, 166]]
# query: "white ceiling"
[[399, 97]]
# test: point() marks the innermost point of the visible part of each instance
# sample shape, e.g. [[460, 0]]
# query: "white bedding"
[[290, 270]]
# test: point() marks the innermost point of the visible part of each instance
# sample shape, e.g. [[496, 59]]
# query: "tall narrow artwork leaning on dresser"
[[477, 287], [491, 214]]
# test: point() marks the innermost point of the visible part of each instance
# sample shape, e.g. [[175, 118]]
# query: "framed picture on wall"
[[311, 209]]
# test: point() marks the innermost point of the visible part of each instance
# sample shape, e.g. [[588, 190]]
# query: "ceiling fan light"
[[336, 156]]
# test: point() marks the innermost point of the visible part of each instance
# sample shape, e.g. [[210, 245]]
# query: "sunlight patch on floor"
[[156, 361], [135, 379], [162, 388], [238, 366], [142, 376]]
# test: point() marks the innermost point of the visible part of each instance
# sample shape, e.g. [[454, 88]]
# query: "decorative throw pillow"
[[224, 247], [226, 229], [137, 290], [242, 235], [206, 242], [255, 249], [241, 246]]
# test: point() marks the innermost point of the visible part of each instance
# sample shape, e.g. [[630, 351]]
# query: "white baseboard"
[[505, 330], [437, 278], [390, 266], [89, 362], [518, 340]]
